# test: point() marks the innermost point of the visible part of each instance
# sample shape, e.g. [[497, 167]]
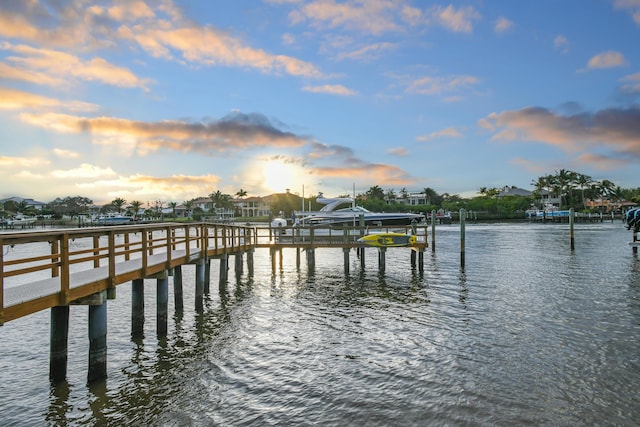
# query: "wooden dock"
[[55, 269]]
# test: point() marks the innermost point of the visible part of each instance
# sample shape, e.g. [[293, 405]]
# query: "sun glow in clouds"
[[278, 175]]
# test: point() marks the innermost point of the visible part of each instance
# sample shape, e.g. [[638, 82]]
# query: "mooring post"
[[297, 258], [250, 261], [362, 263], [137, 307], [311, 259], [462, 237], [224, 267], [421, 260], [413, 258], [162, 303], [635, 240], [272, 252], [207, 276], [58, 345], [345, 252], [381, 259], [98, 339], [200, 285], [571, 238], [177, 288], [238, 263], [433, 230]]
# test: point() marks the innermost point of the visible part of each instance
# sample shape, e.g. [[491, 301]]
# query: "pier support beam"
[[58, 345], [362, 263], [345, 252], [239, 267], [311, 259], [224, 269], [433, 230], [381, 259], [98, 338], [162, 303], [200, 285], [413, 258], [137, 307], [250, 262], [421, 260], [207, 276], [178, 301], [462, 237]]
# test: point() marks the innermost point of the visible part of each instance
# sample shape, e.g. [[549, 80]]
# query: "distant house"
[[253, 206], [514, 191], [29, 202]]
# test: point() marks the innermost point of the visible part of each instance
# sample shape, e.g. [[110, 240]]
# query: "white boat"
[[21, 221], [113, 219], [333, 214]]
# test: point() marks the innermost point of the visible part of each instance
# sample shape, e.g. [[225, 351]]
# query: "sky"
[[172, 100]]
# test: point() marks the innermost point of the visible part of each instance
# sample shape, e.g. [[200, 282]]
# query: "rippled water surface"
[[528, 333]]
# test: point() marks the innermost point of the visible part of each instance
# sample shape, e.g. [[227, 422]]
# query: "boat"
[[385, 240], [113, 219], [21, 221], [332, 214]]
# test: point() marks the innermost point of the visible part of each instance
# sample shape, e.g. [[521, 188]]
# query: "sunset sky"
[[172, 100]]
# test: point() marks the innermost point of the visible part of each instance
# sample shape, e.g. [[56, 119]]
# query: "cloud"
[[367, 53], [60, 66], [608, 59], [450, 132], [370, 17], [22, 162], [561, 43], [456, 20], [84, 171], [633, 85], [234, 132], [614, 129], [633, 6], [398, 151], [12, 99], [345, 165], [145, 187], [502, 25], [162, 32], [429, 85], [66, 153], [529, 166], [331, 89]]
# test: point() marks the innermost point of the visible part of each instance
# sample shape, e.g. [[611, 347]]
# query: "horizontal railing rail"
[[50, 259]]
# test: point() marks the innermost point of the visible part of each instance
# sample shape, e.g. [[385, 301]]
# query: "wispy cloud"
[[616, 130], [561, 43], [456, 20], [435, 85], [84, 171], [12, 99], [331, 89], [236, 131], [61, 66], [502, 25], [632, 6], [449, 132], [608, 59]]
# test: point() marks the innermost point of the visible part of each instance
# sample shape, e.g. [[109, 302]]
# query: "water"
[[528, 333]]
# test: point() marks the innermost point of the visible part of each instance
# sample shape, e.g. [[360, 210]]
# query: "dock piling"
[[137, 307], [98, 340], [462, 236], [571, 236], [177, 289], [59, 342], [162, 304]]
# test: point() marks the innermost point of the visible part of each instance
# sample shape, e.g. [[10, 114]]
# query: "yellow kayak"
[[388, 239]]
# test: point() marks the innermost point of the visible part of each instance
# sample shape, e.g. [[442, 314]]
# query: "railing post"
[[145, 252], [111, 290], [96, 252], [64, 268]]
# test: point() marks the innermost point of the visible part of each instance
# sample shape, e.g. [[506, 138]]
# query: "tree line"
[[572, 188]]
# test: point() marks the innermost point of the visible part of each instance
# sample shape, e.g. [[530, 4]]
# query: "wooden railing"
[[80, 262]]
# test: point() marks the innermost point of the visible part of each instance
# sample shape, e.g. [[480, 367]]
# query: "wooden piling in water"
[[59, 342], [162, 304], [98, 339], [462, 237], [137, 307], [382, 263], [200, 267], [571, 236], [177, 289], [433, 230]]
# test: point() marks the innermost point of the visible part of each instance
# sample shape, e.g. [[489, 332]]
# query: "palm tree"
[[188, 205], [173, 205], [135, 207], [241, 193], [118, 202], [583, 181]]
